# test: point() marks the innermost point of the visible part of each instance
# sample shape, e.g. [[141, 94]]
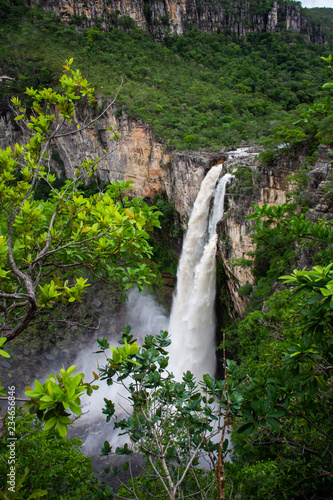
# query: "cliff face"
[[135, 157], [139, 158], [268, 185], [176, 16]]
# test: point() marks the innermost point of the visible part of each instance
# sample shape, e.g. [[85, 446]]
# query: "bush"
[[245, 290], [55, 464]]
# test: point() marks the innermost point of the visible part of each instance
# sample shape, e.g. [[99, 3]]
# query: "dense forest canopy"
[[197, 90]]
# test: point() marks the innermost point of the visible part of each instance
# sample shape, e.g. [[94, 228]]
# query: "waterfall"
[[192, 319]]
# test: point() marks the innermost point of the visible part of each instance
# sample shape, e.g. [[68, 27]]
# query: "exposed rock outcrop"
[[321, 186], [176, 16], [136, 157], [268, 185]]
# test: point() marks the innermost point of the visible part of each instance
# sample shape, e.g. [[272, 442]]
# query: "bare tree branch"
[[75, 131]]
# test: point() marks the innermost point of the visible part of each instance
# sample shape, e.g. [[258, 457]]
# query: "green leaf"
[[62, 429], [50, 423], [248, 428], [123, 451], [2, 341], [273, 423]]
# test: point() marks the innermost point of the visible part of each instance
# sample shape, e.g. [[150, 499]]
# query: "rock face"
[[135, 157], [267, 185], [251, 186], [321, 186], [176, 16]]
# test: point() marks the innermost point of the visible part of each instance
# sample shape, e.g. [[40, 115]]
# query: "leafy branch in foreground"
[[51, 400], [59, 397], [48, 249], [174, 425]]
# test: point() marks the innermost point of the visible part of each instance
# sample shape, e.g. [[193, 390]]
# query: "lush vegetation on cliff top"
[[196, 91]]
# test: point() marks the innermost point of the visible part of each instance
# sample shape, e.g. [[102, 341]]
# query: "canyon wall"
[[136, 156], [267, 185], [140, 158], [262, 185], [177, 16]]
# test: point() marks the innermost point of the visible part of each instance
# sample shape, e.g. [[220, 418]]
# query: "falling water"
[[192, 320], [218, 208]]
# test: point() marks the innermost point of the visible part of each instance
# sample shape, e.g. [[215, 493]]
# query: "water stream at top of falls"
[[192, 319]]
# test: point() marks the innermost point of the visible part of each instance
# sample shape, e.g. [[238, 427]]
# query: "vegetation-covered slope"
[[196, 91]]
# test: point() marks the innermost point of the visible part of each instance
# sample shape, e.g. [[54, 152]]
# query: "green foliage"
[[314, 124], [286, 402], [317, 119], [249, 339], [276, 250], [281, 219], [196, 90], [49, 247], [172, 424], [10, 494], [318, 315], [284, 437], [279, 235], [49, 463], [243, 185], [163, 238], [245, 289], [58, 394]]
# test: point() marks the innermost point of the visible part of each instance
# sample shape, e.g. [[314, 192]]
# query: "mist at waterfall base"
[[192, 320], [145, 317]]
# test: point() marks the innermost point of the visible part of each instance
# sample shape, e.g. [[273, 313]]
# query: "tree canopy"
[[50, 248]]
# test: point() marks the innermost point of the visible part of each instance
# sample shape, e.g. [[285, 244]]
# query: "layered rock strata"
[[177, 16], [267, 186], [270, 185], [136, 157]]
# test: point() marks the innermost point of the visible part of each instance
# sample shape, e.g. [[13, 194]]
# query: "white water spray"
[[146, 317], [192, 320]]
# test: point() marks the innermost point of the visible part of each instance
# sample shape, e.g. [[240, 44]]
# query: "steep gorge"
[[138, 157]]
